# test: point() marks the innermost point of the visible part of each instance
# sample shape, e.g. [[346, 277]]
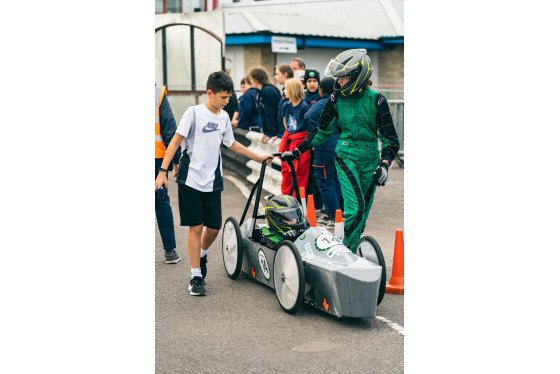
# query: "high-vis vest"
[[160, 150]]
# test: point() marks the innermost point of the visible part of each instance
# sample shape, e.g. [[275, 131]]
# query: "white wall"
[[235, 61]]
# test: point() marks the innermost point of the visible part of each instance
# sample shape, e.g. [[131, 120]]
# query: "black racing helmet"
[[354, 63], [283, 213]]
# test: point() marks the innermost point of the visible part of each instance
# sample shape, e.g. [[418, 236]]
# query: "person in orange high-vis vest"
[[165, 130]]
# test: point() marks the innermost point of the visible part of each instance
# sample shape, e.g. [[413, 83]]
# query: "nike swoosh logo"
[[210, 127]]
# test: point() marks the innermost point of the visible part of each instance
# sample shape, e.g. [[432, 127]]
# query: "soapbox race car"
[[315, 267]]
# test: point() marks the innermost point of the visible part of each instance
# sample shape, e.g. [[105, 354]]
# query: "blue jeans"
[[164, 215], [327, 181]]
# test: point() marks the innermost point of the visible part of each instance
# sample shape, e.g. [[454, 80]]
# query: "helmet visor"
[[290, 216], [336, 69]]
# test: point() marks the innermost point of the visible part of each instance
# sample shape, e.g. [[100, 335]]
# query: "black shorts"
[[200, 208]]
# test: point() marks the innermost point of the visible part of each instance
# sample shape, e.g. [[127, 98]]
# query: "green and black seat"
[[269, 238]]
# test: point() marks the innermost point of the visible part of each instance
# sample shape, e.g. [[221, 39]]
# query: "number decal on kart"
[[264, 264], [326, 241]]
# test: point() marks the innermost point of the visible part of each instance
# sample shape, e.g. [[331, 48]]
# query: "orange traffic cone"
[[302, 197], [338, 225], [396, 283], [311, 211]]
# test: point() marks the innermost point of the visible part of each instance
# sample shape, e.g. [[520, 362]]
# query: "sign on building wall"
[[283, 44]]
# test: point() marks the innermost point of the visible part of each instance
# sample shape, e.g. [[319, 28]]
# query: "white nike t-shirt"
[[200, 166]]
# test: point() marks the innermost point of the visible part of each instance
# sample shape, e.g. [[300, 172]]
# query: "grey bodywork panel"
[[336, 280]]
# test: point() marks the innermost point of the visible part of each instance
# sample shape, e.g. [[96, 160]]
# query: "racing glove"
[[381, 174], [290, 155], [290, 235]]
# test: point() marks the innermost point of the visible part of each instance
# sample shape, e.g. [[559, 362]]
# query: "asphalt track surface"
[[239, 327]]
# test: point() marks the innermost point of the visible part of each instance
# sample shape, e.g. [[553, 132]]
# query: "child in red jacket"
[[292, 113]]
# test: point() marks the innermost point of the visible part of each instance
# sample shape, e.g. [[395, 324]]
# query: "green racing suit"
[[363, 121]]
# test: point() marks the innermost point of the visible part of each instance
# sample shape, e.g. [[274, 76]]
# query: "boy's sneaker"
[[171, 257], [203, 261], [324, 221], [196, 287]]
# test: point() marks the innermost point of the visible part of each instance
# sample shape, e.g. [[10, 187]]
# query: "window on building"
[[174, 6], [159, 6], [169, 6]]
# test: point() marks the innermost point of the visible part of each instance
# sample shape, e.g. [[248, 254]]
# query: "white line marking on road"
[[241, 186], [391, 324]]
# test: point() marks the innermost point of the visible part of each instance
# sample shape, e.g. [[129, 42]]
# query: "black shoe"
[[324, 221], [171, 257], [196, 287], [203, 261]]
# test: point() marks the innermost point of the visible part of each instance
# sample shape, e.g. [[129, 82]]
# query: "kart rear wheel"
[[232, 248], [289, 277], [369, 249]]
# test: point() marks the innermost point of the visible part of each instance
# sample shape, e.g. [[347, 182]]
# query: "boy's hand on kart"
[[290, 235], [381, 174], [290, 155], [267, 158]]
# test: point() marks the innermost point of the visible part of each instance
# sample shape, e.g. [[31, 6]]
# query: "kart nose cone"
[[357, 291]]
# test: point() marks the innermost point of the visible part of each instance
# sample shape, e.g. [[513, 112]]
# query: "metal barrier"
[[272, 177]]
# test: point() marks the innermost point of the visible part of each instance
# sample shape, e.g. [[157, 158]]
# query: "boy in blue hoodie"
[[248, 111], [311, 84], [323, 163]]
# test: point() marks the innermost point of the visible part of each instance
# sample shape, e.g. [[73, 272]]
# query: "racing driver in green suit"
[[363, 118]]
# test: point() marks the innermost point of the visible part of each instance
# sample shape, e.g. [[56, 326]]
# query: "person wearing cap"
[[323, 165], [363, 114], [311, 83]]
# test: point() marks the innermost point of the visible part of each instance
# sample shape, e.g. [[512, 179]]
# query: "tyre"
[[369, 249], [289, 277], [232, 248]]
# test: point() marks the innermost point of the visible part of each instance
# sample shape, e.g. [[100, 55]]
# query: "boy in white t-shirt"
[[200, 134]]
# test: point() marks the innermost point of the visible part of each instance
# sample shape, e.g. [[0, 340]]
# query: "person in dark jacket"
[[324, 164], [248, 111], [165, 130], [268, 97], [311, 83], [231, 105]]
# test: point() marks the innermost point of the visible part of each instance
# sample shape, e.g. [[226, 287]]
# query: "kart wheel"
[[232, 248], [289, 277], [369, 249]]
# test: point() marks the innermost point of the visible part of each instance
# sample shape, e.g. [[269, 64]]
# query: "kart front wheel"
[[369, 249], [289, 277], [232, 248]]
